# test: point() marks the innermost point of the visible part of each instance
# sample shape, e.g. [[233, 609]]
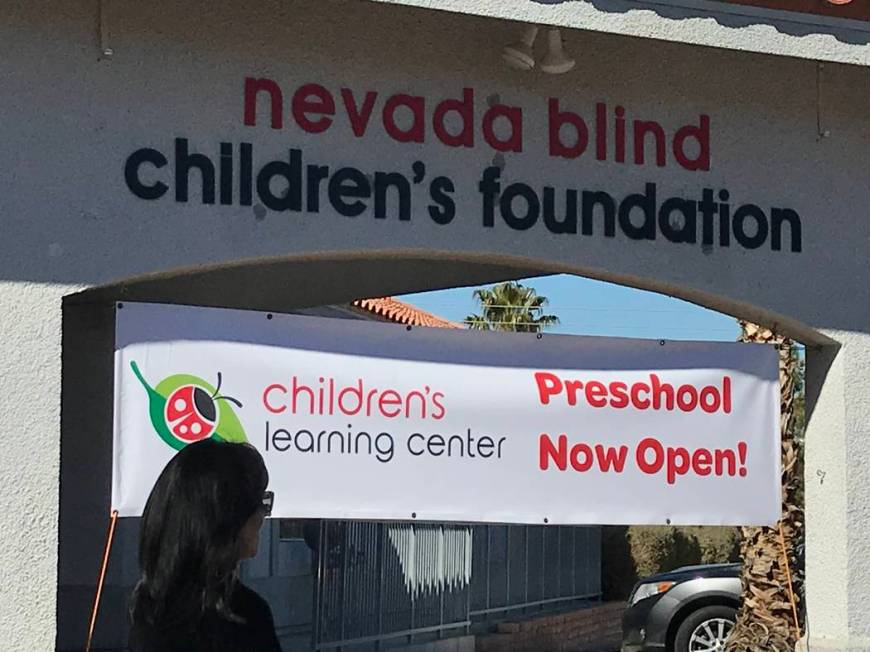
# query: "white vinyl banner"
[[363, 420]]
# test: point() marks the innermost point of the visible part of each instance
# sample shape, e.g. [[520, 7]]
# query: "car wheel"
[[705, 630]]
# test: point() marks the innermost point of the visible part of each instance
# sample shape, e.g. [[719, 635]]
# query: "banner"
[[362, 420]]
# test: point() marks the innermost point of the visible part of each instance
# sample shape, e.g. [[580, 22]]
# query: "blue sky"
[[587, 307]]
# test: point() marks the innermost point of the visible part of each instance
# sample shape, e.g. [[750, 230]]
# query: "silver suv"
[[690, 609]]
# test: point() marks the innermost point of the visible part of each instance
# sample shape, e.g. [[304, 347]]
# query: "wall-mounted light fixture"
[[555, 62], [521, 55]]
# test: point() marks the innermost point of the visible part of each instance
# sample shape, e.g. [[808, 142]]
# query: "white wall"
[[29, 462], [67, 220]]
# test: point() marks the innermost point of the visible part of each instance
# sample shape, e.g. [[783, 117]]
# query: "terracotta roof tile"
[[399, 312]]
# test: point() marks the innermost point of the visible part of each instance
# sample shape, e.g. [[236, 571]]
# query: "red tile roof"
[[396, 311]]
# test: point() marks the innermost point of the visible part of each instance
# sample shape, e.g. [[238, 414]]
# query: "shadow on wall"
[[824, 19], [618, 569], [85, 478]]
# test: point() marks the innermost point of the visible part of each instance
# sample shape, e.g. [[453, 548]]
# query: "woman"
[[203, 516]]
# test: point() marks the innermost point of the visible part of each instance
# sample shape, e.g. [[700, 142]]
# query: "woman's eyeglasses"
[[268, 501]]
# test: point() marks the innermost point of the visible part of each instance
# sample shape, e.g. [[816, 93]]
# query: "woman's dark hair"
[[189, 539]]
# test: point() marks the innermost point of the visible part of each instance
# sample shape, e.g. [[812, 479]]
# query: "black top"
[[214, 633]]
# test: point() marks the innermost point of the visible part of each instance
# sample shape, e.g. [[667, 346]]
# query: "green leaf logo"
[[184, 409]]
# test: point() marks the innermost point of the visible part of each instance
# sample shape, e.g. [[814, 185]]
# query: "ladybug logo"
[[191, 413], [184, 409]]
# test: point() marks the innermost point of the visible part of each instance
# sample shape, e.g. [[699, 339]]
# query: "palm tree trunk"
[[765, 620]]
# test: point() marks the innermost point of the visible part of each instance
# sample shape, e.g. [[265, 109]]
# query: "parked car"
[[690, 609]]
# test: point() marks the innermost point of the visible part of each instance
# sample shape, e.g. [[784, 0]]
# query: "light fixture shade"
[[520, 55], [556, 62]]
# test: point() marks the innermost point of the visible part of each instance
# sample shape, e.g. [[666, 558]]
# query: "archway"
[[305, 284]]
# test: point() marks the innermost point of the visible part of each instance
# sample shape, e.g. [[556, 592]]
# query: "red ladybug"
[[191, 413]]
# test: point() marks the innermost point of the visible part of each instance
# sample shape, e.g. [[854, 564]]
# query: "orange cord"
[[797, 625], [102, 579]]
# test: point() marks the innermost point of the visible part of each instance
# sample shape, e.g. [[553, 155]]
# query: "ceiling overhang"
[[809, 29]]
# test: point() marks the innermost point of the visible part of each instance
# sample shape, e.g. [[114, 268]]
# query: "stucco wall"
[[29, 463], [179, 72], [70, 120]]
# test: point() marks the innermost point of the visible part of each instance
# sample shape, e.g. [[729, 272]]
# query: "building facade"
[[286, 154]]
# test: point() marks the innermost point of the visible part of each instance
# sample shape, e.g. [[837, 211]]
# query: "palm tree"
[[510, 306], [766, 617]]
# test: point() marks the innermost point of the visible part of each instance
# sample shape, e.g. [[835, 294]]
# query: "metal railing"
[[519, 567], [377, 582]]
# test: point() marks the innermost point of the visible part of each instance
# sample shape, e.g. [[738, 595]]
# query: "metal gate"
[[382, 581], [532, 568]]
